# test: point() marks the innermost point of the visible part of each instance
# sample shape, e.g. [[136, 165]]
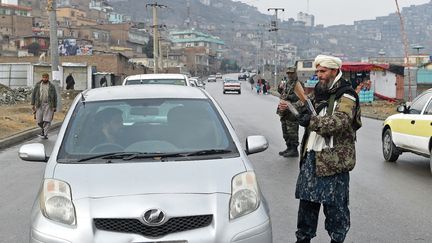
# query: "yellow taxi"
[[410, 130]]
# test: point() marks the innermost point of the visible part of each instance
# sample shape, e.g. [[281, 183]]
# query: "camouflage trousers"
[[330, 191], [337, 222], [290, 132]]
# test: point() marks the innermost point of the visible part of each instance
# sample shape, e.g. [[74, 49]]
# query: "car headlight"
[[245, 197], [56, 202]]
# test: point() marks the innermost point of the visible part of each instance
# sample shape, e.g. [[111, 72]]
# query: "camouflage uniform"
[[289, 122], [324, 177]]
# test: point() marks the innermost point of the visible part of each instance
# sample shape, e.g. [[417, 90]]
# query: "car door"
[[419, 129], [423, 128], [404, 126]]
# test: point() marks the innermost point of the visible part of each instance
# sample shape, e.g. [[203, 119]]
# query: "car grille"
[[135, 226]]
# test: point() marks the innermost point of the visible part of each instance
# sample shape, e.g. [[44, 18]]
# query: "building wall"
[[110, 63], [15, 25], [384, 83]]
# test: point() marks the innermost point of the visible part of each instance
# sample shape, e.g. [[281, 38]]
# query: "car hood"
[[119, 179]]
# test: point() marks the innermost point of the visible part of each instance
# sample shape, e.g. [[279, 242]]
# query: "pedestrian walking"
[[252, 82], [44, 104], [327, 154], [70, 82], [289, 122], [264, 86]]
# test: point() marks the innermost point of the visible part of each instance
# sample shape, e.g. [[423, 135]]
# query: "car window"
[[144, 125], [418, 103], [156, 81], [428, 110]]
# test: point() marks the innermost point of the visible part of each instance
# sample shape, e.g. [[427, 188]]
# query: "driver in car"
[[107, 136]]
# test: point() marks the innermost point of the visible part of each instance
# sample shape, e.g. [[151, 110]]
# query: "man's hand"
[[283, 105], [304, 118]]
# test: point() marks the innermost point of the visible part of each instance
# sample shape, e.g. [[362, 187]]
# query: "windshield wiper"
[[141, 155], [208, 152], [115, 155], [181, 154]]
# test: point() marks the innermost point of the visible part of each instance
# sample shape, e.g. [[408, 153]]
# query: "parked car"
[[148, 163], [160, 78], [218, 75], [211, 78], [231, 85], [410, 130]]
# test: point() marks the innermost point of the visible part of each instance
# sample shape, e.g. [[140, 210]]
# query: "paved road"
[[390, 202]]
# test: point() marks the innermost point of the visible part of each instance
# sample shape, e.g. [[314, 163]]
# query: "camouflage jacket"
[[287, 93], [341, 156]]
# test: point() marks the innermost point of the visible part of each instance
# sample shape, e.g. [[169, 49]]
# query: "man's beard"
[[322, 91]]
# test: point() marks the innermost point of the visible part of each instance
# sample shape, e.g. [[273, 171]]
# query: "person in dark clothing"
[[289, 123], [70, 82], [264, 86], [103, 82]]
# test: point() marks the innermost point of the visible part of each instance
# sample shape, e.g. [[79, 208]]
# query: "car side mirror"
[[401, 109], [33, 152], [256, 144]]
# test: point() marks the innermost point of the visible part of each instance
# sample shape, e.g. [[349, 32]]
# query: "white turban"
[[328, 62]]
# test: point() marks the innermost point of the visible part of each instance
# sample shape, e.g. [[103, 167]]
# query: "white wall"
[[14, 2], [384, 83]]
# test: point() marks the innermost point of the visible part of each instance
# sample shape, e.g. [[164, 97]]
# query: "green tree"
[[148, 49], [228, 65]]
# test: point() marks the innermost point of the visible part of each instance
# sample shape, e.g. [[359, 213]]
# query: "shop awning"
[[356, 67]]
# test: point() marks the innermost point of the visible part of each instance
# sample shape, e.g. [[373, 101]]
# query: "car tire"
[[390, 151], [239, 92], [224, 92], [430, 157]]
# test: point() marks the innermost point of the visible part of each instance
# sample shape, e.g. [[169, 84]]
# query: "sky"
[[333, 12]]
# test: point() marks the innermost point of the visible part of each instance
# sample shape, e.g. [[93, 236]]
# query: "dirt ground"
[[19, 117]]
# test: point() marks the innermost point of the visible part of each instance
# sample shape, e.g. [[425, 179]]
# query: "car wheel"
[[224, 92], [430, 156], [390, 151], [239, 92]]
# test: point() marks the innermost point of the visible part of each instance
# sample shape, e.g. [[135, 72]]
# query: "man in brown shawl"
[[44, 104]]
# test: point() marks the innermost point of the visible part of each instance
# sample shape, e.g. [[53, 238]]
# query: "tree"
[[34, 48], [148, 48], [228, 65]]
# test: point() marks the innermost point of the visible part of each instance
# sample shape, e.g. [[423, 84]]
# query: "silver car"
[[146, 164]]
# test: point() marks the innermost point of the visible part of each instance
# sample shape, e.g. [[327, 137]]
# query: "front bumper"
[[252, 228]]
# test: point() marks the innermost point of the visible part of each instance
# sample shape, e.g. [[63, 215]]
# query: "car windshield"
[[150, 127], [156, 81]]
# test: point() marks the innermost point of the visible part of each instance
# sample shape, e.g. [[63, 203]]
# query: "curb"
[[24, 135]]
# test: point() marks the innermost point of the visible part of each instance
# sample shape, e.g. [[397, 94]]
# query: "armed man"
[[288, 119], [327, 152]]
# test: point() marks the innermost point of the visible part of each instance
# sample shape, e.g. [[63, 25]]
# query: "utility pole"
[[405, 42], [51, 8], [274, 27], [155, 34], [260, 39]]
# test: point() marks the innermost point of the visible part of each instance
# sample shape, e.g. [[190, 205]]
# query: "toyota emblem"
[[154, 217]]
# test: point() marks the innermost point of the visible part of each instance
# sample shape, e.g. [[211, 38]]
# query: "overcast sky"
[[331, 12]]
